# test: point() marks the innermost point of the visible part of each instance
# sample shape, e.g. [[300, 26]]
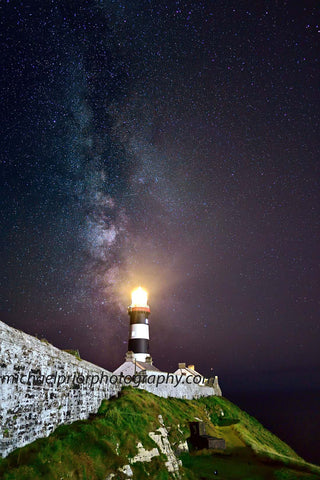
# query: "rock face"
[[160, 437], [29, 410], [42, 387], [144, 455]]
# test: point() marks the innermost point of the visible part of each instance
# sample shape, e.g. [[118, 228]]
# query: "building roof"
[[187, 371], [147, 366]]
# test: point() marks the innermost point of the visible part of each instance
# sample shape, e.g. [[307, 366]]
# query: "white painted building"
[[189, 371], [131, 366]]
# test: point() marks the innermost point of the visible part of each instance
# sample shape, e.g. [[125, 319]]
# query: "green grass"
[[93, 448], [75, 353]]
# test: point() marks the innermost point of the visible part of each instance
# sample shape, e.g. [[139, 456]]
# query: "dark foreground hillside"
[[141, 436]]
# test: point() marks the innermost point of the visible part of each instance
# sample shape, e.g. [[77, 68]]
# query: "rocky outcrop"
[[161, 439]]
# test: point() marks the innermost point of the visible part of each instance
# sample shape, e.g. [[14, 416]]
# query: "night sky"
[[173, 145]]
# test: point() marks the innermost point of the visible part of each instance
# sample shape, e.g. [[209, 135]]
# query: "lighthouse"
[[139, 311], [139, 362]]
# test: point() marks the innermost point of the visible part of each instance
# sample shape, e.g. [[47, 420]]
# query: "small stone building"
[[199, 439]]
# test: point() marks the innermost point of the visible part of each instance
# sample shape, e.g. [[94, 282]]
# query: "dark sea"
[[293, 416]]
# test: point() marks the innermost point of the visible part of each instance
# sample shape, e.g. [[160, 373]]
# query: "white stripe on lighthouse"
[[141, 357], [139, 330]]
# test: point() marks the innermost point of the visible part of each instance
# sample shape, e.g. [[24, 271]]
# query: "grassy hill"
[[95, 448]]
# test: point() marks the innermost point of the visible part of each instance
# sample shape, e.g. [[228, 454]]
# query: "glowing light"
[[139, 298]]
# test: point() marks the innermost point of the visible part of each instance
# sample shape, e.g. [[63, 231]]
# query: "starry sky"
[[173, 145]]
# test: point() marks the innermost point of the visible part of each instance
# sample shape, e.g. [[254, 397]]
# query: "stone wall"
[[183, 390], [28, 412], [42, 387]]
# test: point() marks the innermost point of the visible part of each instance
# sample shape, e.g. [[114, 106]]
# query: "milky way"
[[168, 144]]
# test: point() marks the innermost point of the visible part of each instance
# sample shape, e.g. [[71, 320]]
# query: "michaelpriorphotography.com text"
[[75, 380]]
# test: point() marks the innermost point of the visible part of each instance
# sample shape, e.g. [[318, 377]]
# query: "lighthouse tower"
[[139, 311]]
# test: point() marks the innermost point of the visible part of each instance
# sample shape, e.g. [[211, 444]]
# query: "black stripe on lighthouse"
[[138, 345], [139, 332]]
